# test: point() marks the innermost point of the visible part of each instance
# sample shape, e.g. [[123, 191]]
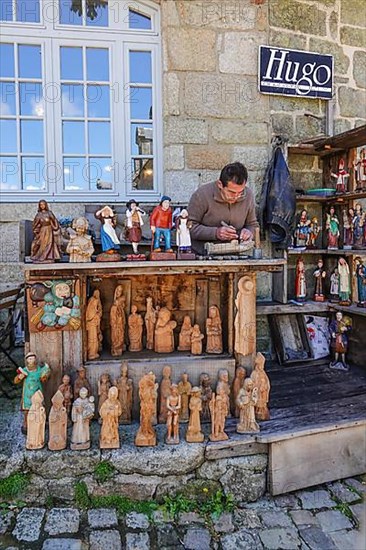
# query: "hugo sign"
[[295, 73]]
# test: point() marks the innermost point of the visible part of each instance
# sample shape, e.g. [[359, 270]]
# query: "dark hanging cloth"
[[278, 201]]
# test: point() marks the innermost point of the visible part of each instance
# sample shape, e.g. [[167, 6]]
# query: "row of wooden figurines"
[[340, 282], [158, 325], [178, 403], [352, 233]]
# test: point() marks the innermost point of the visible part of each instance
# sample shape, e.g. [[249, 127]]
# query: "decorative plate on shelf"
[[323, 192]]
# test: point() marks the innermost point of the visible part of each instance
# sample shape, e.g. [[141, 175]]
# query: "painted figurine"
[[358, 226], [338, 329], [344, 282], [151, 316], [261, 381], [104, 385], [360, 272], [134, 222], [240, 375], [57, 422], [214, 331], [161, 224], [46, 245], [93, 317], [66, 389], [341, 178], [110, 412], [185, 334], [135, 325], [117, 319], [223, 384], [196, 340], [36, 422], [164, 332], [80, 246], [81, 381], [81, 415], [146, 435], [183, 226], [246, 401], [319, 275], [348, 228], [300, 281], [194, 434], [33, 375], [173, 407], [184, 390], [334, 286], [108, 220], [165, 386], [313, 232], [302, 230], [360, 169], [219, 411], [206, 396], [332, 228], [125, 394], [61, 307]]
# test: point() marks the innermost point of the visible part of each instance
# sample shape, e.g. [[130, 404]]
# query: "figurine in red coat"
[[161, 223]]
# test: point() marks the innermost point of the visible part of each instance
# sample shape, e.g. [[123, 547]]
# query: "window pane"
[[9, 173], [7, 60], [30, 97], [31, 132], [140, 67], [28, 11], [7, 98], [141, 103], [32, 173], [97, 13], [69, 16], [30, 61], [99, 138], [75, 174], [97, 64], [72, 100], [100, 173], [8, 136], [142, 174], [71, 63], [73, 137], [141, 139], [6, 10], [98, 101], [138, 21]]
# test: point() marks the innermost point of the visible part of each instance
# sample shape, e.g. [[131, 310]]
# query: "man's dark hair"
[[235, 172]]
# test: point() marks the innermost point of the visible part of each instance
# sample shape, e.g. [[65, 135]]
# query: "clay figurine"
[[80, 246], [206, 396], [334, 286], [338, 329], [104, 385], [194, 434], [196, 340], [81, 382], [313, 232], [36, 422], [261, 381], [219, 411], [344, 282], [246, 401], [183, 236], [146, 435], [360, 169], [342, 177], [81, 415], [110, 412], [46, 245], [360, 272], [214, 331], [223, 384], [173, 406], [125, 394], [240, 375], [348, 228], [302, 230], [110, 241], [165, 386], [184, 390], [135, 324], [66, 389], [164, 335], [185, 334], [332, 228], [300, 281], [93, 317], [150, 322], [33, 375], [161, 224], [134, 222], [319, 275], [358, 223], [117, 319], [57, 422]]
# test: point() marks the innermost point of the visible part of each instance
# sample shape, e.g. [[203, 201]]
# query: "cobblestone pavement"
[[327, 517]]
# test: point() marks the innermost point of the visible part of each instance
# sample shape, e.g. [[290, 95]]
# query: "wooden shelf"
[[341, 199], [354, 309], [276, 308], [325, 251]]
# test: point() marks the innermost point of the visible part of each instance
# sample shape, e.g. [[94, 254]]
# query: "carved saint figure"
[[194, 434], [135, 324], [302, 230], [125, 394], [165, 386], [245, 326], [134, 222], [206, 396], [338, 329], [214, 331], [146, 435], [36, 422], [334, 286], [46, 245], [360, 169], [173, 406], [358, 224], [344, 282], [196, 340], [150, 321], [104, 385], [57, 422], [219, 411], [319, 275], [348, 228], [261, 381], [341, 177], [313, 232], [247, 400], [184, 390], [223, 384], [332, 228], [185, 334], [66, 389], [238, 383], [300, 281], [110, 412], [81, 415], [108, 219], [94, 313], [164, 335], [360, 272], [81, 382], [117, 320], [80, 246]]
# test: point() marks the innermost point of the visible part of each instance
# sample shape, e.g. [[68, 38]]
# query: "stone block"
[[303, 517], [350, 13], [342, 492], [63, 544], [171, 95], [171, 485], [298, 17], [333, 23], [137, 521], [286, 40], [358, 512], [241, 15], [134, 486], [62, 520], [359, 486], [348, 539], [187, 518], [353, 37], [167, 537], [341, 125], [315, 538], [308, 126], [53, 465], [197, 539], [341, 60], [247, 519], [254, 158], [286, 539], [208, 156], [191, 50], [333, 520], [180, 185], [296, 105], [13, 212], [275, 518], [136, 541], [11, 242], [224, 523], [174, 157], [169, 14], [312, 500], [243, 539], [62, 489], [239, 132], [180, 130], [359, 68], [351, 102], [5, 522], [303, 162], [101, 540], [283, 125], [102, 518], [239, 52], [28, 525]]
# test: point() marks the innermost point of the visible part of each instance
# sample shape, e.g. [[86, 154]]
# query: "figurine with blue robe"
[[108, 235]]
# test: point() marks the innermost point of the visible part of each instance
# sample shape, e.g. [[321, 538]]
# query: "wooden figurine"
[[196, 340], [81, 382], [154, 419], [161, 224], [302, 230], [57, 422], [344, 282], [360, 169], [81, 415], [341, 177], [194, 434], [151, 316], [164, 335], [108, 235], [146, 435], [66, 389], [358, 224], [206, 396], [183, 236], [185, 334], [117, 319], [334, 286], [36, 422], [240, 375], [219, 411], [246, 401], [133, 233], [135, 325], [360, 272], [46, 245], [244, 324], [33, 375], [223, 384], [261, 381], [104, 385], [300, 281], [348, 228], [80, 246], [313, 232], [173, 406], [338, 329], [184, 390], [110, 412], [319, 275], [125, 394], [214, 331], [332, 228], [94, 314], [165, 386]]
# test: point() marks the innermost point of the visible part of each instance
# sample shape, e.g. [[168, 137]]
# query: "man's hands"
[[245, 234], [228, 233]]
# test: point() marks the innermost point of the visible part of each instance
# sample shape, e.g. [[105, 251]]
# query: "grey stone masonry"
[[197, 539], [28, 526], [102, 517], [137, 541], [137, 521], [105, 540], [62, 520], [63, 544]]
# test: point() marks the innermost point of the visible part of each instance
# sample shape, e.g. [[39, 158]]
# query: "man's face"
[[165, 205], [232, 192]]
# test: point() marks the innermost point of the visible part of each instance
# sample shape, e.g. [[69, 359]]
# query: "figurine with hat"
[[133, 233], [161, 221]]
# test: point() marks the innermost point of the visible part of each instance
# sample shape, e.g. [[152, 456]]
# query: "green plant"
[[217, 504], [344, 508], [206, 505], [81, 495], [13, 485], [175, 505], [104, 471]]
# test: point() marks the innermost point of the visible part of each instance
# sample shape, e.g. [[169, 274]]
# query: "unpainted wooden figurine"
[[185, 334], [57, 423], [206, 396], [194, 434], [196, 340], [246, 401], [219, 411], [184, 390], [135, 325], [300, 281], [94, 314], [80, 246], [173, 405], [117, 319], [261, 381], [214, 331], [223, 384], [81, 381], [164, 332], [36, 423], [104, 384], [66, 389], [165, 386], [46, 245], [125, 394], [146, 435], [110, 412], [82, 412], [240, 375], [151, 316]]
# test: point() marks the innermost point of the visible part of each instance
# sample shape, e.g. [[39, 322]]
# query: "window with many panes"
[[80, 108]]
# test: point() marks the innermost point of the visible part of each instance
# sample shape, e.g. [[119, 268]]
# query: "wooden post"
[[230, 316]]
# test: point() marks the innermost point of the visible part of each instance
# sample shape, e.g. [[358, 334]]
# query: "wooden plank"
[[12, 292], [201, 308], [72, 350], [48, 348], [274, 308], [317, 458], [241, 447]]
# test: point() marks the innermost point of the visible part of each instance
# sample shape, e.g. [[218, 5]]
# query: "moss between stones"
[[13, 486], [104, 471]]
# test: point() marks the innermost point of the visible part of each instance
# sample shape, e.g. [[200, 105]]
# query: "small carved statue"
[[150, 322], [57, 422], [338, 329], [164, 332], [110, 412], [261, 381], [360, 169], [341, 178], [46, 245], [348, 228], [80, 246], [214, 331], [183, 226], [161, 221], [184, 390], [94, 314], [108, 235], [334, 286], [247, 400], [302, 230], [82, 412], [185, 334], [134, 222], [358, 224], [344, 282], [81, 382], [36, 422], [223, 384], [313, 232], [194, 434], [135, 325], [332, 228], [146, 435], [117, 318], [206, 396], [319, 275], [125, 394], [300, 281], [219, 411], [240, 375], [360, 272], [196, 340], [104, 385], [173, 406], [66, 389], [165, 386]]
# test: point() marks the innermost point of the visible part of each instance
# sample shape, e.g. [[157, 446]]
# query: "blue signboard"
[[295, 73]]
